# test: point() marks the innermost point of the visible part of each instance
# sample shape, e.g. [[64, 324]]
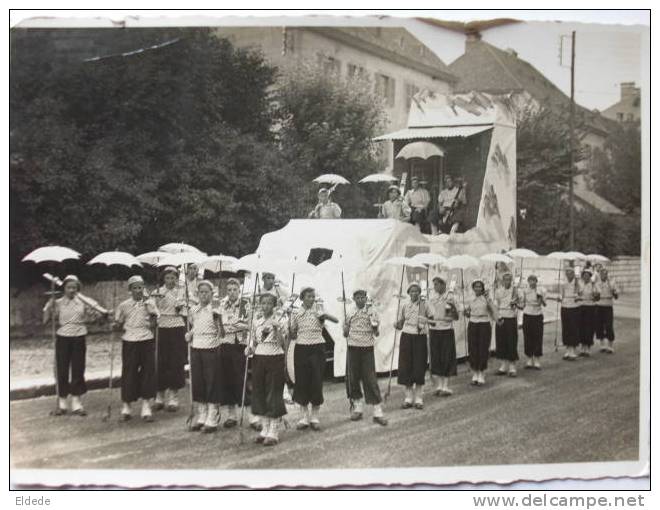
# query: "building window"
[[330, 65], [411, 90], [619, 116], [355, 71], [631, 117], [385, 88]]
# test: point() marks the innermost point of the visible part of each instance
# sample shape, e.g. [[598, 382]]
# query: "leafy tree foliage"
[[327, 126]]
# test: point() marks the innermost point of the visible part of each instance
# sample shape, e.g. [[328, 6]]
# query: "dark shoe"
[[229, 423], [513, 374], [315, 426], [302, 426], [148, 418], [355, 416], [474, 383], [259, 439], [59, 412], [209, 430], [419, 405], [196, 427], [406, 405], [79, 412], [255, 425], [171, 408], [447, 393], [500, 372], [380, 421], [158, 406], [125, 417], [270, 441]]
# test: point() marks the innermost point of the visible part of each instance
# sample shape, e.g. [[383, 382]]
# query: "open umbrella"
[[109, 259], [152, 257], [389, 178], [183, 258], [218, 263], [497, 257], [595, 257], [333, 179], [178, 248], [52, 255], [422, 150], [522, 254]]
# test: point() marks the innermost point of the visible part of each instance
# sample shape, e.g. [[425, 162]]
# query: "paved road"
[[568, 412]]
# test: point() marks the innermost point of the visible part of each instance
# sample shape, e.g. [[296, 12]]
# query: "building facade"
[[627, 110], [398, 65]]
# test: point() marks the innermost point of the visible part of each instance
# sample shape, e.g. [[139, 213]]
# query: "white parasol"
[[389, 178], [219, 263], [422, 150], [333, 179], [178, 248], [51, 254], [152, 257]]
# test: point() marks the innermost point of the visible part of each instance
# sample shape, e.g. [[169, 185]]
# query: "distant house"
[[486, 68], [397, 63], [628, 108]]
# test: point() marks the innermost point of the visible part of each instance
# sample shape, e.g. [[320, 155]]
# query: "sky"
[[606, 54]]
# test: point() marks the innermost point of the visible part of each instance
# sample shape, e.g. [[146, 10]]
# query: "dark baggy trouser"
[[587, 324], [231, 368], [506, 339], [172, 353], [533, 333], [413, 356], [309, 366], [604, 323], [361, 374], [70, 353], [268, 376], [443, 352], [205, 377], [138, 376], [570, 326], [479, 334]]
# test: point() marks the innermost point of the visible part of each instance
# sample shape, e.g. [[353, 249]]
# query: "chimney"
[[628, 90], [472, 37]]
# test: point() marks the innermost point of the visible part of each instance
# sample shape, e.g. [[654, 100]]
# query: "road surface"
[[568, 412]]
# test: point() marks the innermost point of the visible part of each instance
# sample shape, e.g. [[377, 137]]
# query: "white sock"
[[409, 394], [76, 404], [315, 414], [173, 398], [125, 408], [357, 406], [419, 394], [272, 428], [63, 403], [304, 414], [146, 407], [265, 422], [378, 411], [202, 412], [231, 410], [160, 397]]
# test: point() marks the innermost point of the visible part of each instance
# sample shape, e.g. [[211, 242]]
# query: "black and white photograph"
[[322, 251]]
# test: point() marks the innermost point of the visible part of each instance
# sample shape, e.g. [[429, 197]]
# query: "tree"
[[327, 124], [129, 152]]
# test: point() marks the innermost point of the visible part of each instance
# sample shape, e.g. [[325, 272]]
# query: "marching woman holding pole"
[[533, 299], [442, 341], [413, 352], [360, 330], [70, 314], [480, 311], [607, 290], [570, 314], [207, 329], [506, 329], [588, 296], [137, 316], [268, 371], [309, 358], [171, 342]]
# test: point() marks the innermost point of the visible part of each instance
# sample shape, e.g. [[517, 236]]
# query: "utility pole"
[[571, 221]]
